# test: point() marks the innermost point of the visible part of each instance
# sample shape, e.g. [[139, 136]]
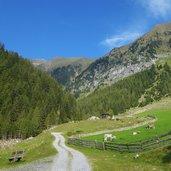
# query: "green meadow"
[[156, 160], [161, 110]]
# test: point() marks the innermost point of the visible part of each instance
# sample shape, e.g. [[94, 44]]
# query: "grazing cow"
[[105, 116], [136, 156], [150, 127], [92, 118], [136, 133], [113, 117], [108, 137]]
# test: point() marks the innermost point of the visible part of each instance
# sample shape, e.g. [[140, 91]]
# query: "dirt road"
[[67, 158]]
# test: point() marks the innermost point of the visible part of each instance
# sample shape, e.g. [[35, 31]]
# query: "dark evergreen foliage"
[[136, 90], [30, 101]]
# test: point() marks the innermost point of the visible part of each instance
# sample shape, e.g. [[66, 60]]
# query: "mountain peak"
[[163, 27]]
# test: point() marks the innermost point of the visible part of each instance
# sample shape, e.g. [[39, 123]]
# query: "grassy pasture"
[[156, 160], [90, 126], [161, 110]]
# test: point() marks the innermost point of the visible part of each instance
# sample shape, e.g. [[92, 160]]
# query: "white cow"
[[136, 133], [113, 117], [108, 137], [136, 156], [92, 118]]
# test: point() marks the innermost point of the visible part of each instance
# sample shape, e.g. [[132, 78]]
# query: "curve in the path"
[[119, 129], [67, 158]]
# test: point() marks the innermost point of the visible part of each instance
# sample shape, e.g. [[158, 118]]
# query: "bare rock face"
[[124, 61]]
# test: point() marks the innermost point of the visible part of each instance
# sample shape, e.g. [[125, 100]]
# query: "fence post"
[[141, 145], [95, 144], [128, 147], [104, 145]]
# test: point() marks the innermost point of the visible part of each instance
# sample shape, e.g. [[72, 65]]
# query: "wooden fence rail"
[[156, 142]]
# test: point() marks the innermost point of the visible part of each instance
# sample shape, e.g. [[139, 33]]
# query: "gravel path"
[[68, 159], [119, 129]]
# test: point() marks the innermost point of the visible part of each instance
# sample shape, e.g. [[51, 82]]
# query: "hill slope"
[[137, 90], [64, 70], [124, 61], [30, 100]]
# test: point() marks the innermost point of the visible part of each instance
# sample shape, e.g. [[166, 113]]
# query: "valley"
[[158, 158], [43, 103]]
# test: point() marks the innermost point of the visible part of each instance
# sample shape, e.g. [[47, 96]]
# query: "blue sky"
[[76, 28]]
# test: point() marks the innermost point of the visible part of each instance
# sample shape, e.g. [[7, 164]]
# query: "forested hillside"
[[136, 90], [30, 100]]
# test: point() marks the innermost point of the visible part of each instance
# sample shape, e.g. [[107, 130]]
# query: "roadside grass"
[[36, 148], [161, 110], [156, 160]]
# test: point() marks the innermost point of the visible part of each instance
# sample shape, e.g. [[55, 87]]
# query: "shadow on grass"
[[167, 157]]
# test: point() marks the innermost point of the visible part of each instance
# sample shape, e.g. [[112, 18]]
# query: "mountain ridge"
[[58, 62], [83, 77], [64, 70], [124, 61]]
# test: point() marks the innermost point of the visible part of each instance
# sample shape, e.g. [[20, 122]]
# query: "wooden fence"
[[156, 142]]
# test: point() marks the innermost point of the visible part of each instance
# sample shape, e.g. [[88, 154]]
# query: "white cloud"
[[158, 8], [121, 39]]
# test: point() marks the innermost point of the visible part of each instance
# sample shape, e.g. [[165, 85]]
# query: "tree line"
[[139, 89], [30, 100]]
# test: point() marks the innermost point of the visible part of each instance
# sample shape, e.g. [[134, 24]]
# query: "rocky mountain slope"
[[124, 61], [84, 75], [140, 89], [64, 70]]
